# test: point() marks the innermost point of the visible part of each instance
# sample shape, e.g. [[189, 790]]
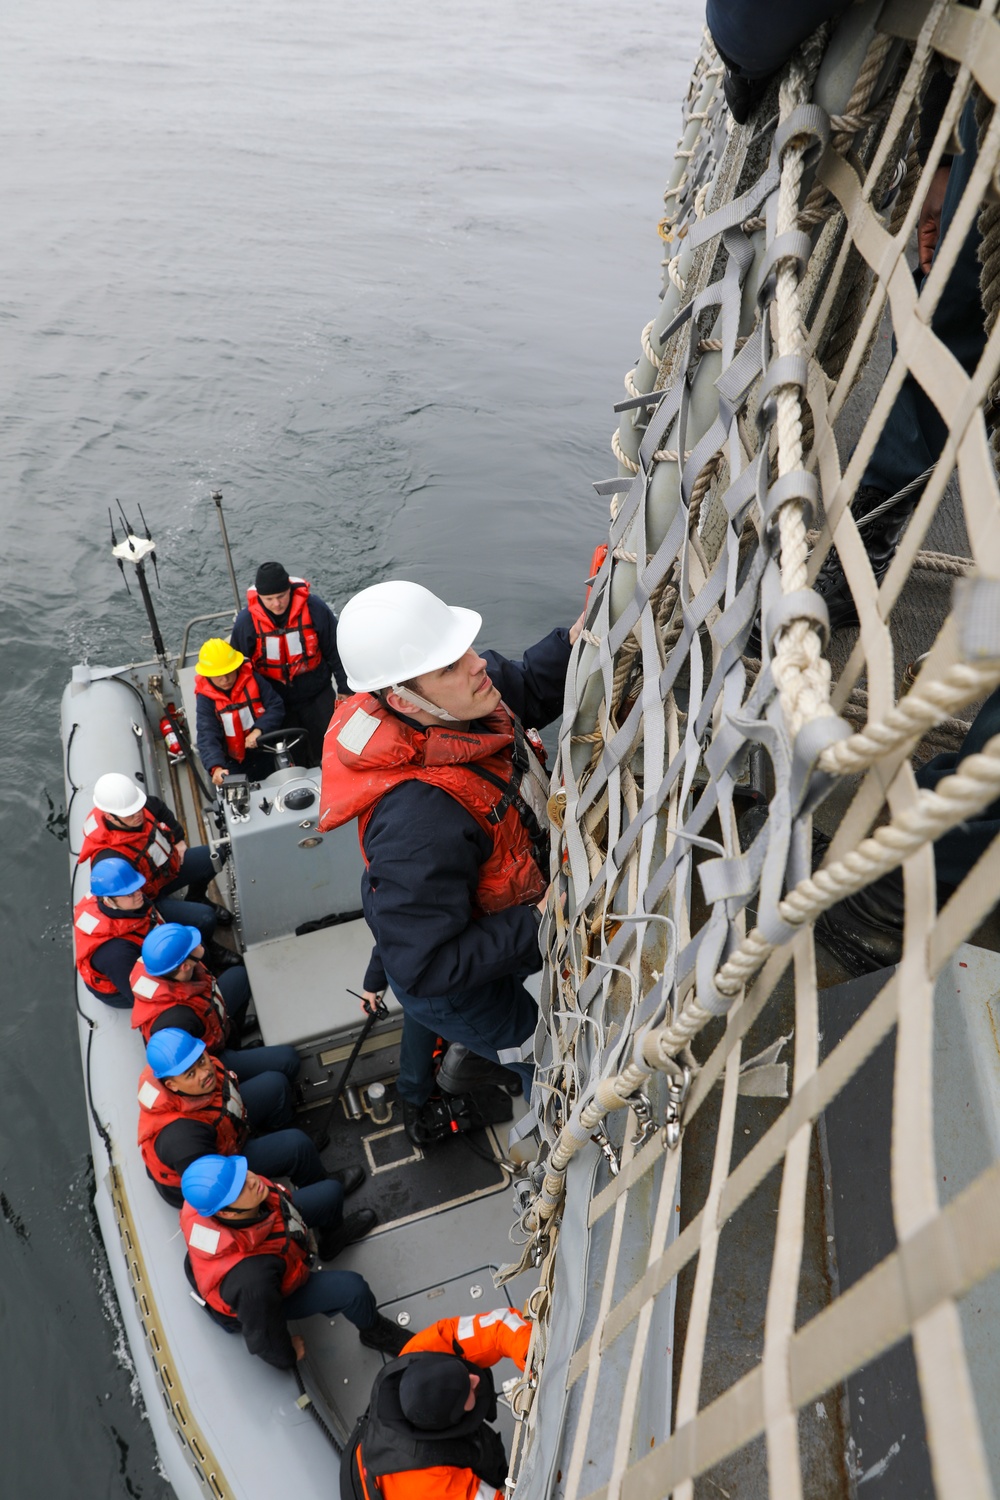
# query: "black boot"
[[425, 1124], [865, 931], [385, 1336], [463, 1072], [352, 1227], [219, 958], [881, 540]]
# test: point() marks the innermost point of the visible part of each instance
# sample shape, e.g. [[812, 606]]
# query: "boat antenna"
[[217, 497], [149, 538], [139, 550], [114, 554]]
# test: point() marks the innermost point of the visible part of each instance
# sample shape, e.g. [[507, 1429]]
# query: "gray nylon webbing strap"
[[784, 250]]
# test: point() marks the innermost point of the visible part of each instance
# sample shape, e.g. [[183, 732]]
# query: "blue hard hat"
[[167, 946], [172, 1051], [115, 877], [212, 1182]]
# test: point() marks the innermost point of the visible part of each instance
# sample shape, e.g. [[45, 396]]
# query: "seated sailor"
[[235, 706], [172, 987], [143, 830], [191, 1105], [432, 758], [109, 926], [289, 636], [426, 1432], [250, 1252]]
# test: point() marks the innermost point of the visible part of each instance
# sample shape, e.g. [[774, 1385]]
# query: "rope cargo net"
[[786, 253]]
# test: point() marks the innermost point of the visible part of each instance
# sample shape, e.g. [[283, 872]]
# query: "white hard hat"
[[394, 631], [118, 794]]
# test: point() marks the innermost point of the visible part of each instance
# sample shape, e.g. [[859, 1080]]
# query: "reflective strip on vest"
[[203, 1238], [146, 986], [358, 730], [293, 640], [272, 647], [90, 826], [466, 1328], [159, 849], [87, 922], [485, 1491], [245, 716], [148, 1095]]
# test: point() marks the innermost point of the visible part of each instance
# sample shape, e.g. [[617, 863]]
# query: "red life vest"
[[200, 993], [148, 847], [285, 651], [92, 927], [489, 770], [236, 709], [216, 1246], [159, 1107]]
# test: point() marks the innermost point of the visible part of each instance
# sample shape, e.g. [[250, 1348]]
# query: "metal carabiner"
[[645, 1124], [677, 1092]]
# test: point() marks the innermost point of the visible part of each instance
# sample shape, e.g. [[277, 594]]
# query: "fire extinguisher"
[[169, 733]]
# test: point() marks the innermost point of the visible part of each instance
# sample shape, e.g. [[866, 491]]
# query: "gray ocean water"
[[375, 272]]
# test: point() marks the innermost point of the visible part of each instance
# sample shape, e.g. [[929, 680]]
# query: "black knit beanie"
[[271, 578]]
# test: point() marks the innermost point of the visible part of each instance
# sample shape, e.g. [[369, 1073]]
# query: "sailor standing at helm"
[[432, 758], [235, 706], [289, 636]]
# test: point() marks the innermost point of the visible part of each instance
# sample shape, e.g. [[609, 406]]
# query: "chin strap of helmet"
[[428, 707]]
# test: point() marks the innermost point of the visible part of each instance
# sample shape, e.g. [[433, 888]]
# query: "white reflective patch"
[[486, 1320], [228, 725], [466, 1328], [272, 647], [148, 1095], [146, 986], [294, 643], [157, 855], [246, 716], [90, 826], [485, 1491], [87, 921], [358, 730], [204, 1238], [514, 1320]]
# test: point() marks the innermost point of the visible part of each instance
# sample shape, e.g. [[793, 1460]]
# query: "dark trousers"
[[313, 715], [914, 433], [197, 869], [329, 1292], [957, 851], [274, 1150], [493, 1021]]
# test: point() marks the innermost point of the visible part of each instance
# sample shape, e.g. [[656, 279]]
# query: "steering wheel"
[[279, 742]]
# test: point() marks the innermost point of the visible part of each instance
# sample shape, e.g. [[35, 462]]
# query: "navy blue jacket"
[[308, 684], [424, 855], [208, 729]]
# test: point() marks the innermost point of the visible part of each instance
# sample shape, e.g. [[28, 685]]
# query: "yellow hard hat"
[[217, 658]]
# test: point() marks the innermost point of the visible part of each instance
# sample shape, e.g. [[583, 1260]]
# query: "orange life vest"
[[368, 751], [236, 709], [153, 995], [216, 1246], [285, 651], [149, 847], [92, 927], [159, 1107]]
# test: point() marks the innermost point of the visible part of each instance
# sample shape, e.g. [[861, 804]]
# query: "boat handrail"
[[217, 614]]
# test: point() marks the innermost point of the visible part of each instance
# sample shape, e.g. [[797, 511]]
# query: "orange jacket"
[[368, 751], [484, 1339]]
